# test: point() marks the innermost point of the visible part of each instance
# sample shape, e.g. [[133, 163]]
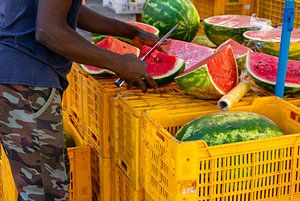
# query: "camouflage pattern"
[[32, 137]]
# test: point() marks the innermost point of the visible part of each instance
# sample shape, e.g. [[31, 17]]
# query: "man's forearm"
[[92, 21]]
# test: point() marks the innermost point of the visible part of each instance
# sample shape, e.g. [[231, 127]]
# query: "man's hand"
[[144, 38], [133, 71]]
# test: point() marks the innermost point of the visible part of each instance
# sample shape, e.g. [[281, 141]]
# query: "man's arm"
[[94, 22], [53, 31]]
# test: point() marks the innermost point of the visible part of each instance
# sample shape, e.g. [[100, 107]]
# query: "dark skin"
[[53, 31]]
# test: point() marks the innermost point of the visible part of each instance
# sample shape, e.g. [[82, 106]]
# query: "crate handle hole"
[[295, 116], [160, 136], [123, 166]]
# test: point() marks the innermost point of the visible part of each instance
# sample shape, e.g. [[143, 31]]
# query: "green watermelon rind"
[[199, 83], [272, 47], [228, 127], [290, 88], [183, 12], [219, 34], [169, 77]]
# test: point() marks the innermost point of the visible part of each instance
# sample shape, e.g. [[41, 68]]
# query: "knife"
[[119, 82]]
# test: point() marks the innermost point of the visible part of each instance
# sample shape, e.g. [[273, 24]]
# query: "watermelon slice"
[[269, 42], [161, 67], [211, 78], [263, 68], [240, 52], [145, 27], [223, 27], [114, 45], [189, 52]]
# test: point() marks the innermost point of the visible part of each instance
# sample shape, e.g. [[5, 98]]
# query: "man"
[[37, 44]]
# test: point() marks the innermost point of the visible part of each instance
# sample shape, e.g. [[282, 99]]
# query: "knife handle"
[[119, 82]]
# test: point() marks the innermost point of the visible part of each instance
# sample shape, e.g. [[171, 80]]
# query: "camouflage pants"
[[32, 138]]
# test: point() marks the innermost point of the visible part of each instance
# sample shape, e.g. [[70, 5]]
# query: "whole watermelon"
[[164, 14], [228, 127]]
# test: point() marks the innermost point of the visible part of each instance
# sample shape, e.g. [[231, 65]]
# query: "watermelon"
[[114, 45], [166, 14], [240, 52], [162, 67], [263, 68], [228, 127], [269, 42], [212, 77], [189, 52], [145, 27], [223, 27]]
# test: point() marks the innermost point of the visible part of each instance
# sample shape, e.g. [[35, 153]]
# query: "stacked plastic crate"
[[273, 10], [265, 169]]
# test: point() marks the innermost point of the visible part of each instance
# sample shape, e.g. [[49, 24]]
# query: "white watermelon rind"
[[98, 72]]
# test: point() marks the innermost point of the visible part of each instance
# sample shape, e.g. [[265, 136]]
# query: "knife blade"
[[119, 82]]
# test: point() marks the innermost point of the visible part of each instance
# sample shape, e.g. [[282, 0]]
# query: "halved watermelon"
[[114, 45], [269, 42], [263, 68], [240, 52], [211, 78], [189, 52], [145, 27], [223, 27], [161, 67]]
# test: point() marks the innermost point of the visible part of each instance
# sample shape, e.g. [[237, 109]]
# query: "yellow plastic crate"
[[80, 176], [270, 168], [74, 98], [126, 123], [273, 10], [122, 188], [208, 8], [97, 110], [1, 183], [71, 130]]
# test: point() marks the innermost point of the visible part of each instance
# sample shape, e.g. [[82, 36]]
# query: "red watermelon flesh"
[[162, 67], [264, 68], [222, 69], [189, 52], [236, 21], [114, 45], [273, 35], [238, 49], [145, 27]]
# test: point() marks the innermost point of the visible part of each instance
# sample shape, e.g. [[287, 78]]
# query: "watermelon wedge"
[[189, 52], [114, 45], [269, 42], [263, 68], [145, 27], [240, 52], [211, 78], [161, 67], [223, 27]]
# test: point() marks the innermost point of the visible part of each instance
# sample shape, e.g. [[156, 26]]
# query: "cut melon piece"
[[263, 68], [189, 52], [223, 27], [269, 42], [145, 27], [114, 45], [161, 67], [212, 77], [240, 52]]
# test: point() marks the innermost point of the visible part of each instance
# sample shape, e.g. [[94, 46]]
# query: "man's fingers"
[[141, 85], [149, 80]]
